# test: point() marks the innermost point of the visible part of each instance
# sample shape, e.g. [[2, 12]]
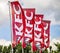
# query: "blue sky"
[[50, 9], [5, 32], [55, 31]]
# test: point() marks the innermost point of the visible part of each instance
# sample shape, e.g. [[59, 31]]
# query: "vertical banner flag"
[[29, 25], [17, 22], [46, 25], [38, 30]]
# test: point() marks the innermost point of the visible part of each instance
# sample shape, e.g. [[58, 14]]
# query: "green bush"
[[18, 49]]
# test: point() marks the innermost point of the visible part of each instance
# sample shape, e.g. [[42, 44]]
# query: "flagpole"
[[22, 45], [40, 50], [22, 38], [10, 25], [31, 47], [22, 50]]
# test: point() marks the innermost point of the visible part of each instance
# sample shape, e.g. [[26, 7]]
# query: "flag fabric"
[[46, 26], [29, 28], [29, 25], [38, 30], [17, 22]]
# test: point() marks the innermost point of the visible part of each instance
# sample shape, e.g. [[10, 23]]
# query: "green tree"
[[14, 49], [27, 49], [5, 49], [9, 49], [55, 52], [18, 48], [45, 51], [50, 49], [58, 47], [0, 49]]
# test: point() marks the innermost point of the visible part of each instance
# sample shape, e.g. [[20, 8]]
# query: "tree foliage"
[[18, 49], [0, 49]]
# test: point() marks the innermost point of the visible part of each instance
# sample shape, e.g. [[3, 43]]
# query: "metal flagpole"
[[22, 45], [31, 48], [40, 51], [22, 40], [10, 25]]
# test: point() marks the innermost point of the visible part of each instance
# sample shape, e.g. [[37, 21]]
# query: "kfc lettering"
[[29, 27], [37, 32], [17, 21], [46, 25]]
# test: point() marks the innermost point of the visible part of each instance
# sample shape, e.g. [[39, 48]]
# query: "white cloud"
[[6, 0], [44, 4], [36, 3], [50, 9], [4, 13], [51, 17], [4, 42]]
